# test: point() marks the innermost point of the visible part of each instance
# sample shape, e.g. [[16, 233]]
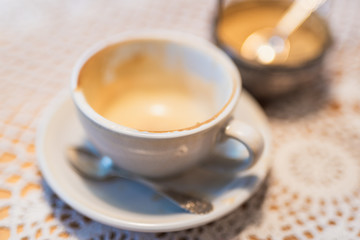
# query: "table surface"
[[313, 190]]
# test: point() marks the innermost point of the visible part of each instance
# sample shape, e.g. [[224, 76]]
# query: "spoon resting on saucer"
[[94, 166], [271, 45]]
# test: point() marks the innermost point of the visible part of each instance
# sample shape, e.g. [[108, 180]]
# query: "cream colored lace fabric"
[[313, 191]]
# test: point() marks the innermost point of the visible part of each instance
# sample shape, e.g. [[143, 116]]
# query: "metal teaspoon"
[[97, 167], [268, 45]]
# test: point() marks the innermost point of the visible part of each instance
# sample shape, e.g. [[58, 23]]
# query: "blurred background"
[[316, 129]]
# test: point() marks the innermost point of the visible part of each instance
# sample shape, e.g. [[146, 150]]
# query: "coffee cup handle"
[[249, 137]]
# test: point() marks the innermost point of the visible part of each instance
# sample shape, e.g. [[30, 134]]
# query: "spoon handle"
[[185, 201], [298, 12]]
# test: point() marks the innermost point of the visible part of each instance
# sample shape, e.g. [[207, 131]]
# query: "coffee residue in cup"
[[148, 94]]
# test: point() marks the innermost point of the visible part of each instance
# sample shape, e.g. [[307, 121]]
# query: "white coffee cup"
[[101, 78]]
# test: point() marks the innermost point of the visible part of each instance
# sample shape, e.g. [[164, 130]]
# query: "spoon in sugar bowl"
[[95, 166], [271, 45]]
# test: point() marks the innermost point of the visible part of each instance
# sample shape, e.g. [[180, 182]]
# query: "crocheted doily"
[[313, 190]]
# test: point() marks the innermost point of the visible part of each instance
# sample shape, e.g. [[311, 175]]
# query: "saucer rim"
[[197, 220]]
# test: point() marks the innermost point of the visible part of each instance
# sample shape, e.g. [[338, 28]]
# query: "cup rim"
[[168, 35]]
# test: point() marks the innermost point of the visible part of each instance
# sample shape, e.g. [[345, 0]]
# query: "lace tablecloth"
[[313, 191]]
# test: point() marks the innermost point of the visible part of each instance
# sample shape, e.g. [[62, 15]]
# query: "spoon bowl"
[[90, 164], [265, 47]]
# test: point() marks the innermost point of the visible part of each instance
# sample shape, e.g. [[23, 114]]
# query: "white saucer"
[[128, 205]]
